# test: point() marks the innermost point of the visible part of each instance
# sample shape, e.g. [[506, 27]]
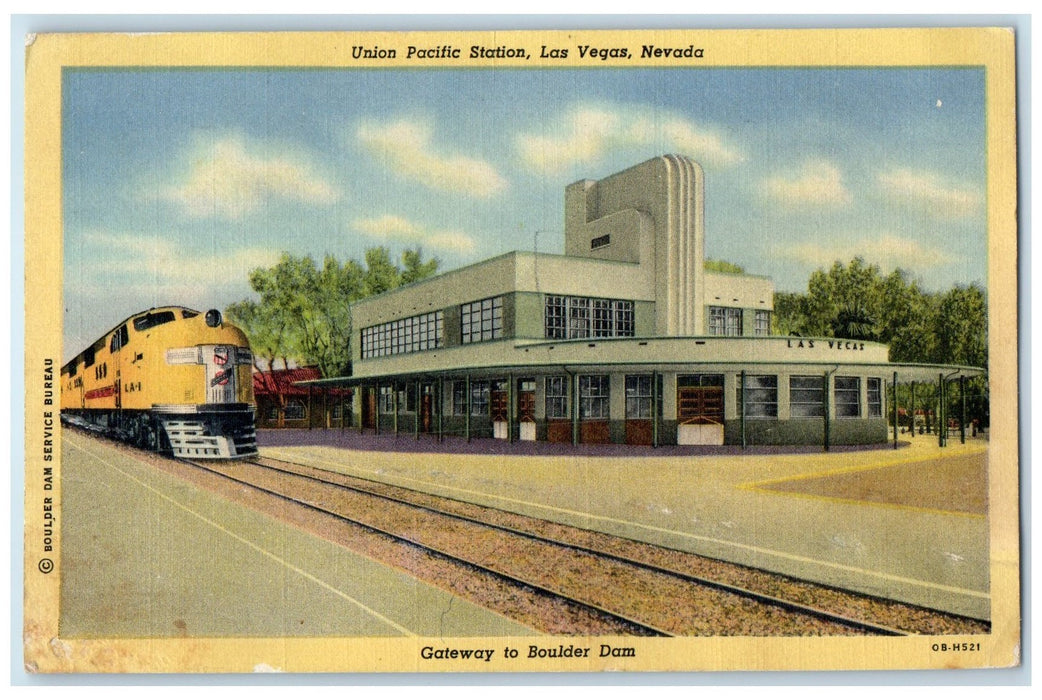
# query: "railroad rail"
[[628, 622]]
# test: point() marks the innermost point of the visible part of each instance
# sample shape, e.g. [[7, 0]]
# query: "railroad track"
[[635, 596]]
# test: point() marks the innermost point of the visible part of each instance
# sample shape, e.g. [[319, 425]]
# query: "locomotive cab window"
[[188, 313], [119, 339], [143, 323]]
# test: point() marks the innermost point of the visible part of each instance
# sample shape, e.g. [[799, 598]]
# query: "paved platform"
[[147, 555], [798, 512]]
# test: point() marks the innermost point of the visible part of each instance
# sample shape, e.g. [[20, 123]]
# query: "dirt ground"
[[954, 484]]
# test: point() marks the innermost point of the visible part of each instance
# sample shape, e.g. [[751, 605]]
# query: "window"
[[807, 397], [413, 334], [386, 399], [638, 396], [762, 323], [761, 396], [482, 320], [119, 339], [602, 318], [600, 242], [725, 320], [557, 397], [556, 325], [479, 398], [271, 412], [583, 317], [593, 397], [150, 320], [407, 398], [578, 318], [848, 397], [295, 410], [459, 398], [875, 397], [623, 318]]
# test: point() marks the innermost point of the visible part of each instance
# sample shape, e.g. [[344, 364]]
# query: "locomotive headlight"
[[213, 318], [184, 356]]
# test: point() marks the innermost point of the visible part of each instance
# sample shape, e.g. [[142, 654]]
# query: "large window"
[[459, 398], [761, 396], [762, 323], [725, 320], [151, 320], [848, 397], [875, 397], [479, 398], [638, 396], [386, 399], [584, 317], [296, 410], [807, 397], [556, 318], [593, 396], [557, 397], [423, 332], [482, 320]]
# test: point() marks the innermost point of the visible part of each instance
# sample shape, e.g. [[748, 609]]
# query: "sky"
[[178, 182]]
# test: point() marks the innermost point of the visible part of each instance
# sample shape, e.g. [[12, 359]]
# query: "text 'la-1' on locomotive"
[[170, 379]]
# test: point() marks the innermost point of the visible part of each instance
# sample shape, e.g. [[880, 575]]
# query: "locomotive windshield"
[[150, 320]]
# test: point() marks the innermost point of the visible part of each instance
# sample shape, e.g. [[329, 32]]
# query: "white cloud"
[[928, 192], [888, 250], [396, 228], [587, 133], [405, 148], [228, 179], [168, 264], [819, 183]]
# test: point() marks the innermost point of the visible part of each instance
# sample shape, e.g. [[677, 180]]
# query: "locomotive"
[[169, 379]]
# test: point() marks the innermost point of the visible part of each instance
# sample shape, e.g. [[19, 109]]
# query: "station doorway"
[[700, 409]]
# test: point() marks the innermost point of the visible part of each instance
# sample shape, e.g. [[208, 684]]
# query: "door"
[[526, 409], [427, 408], [369, 408], [499, 403], [700, 409]]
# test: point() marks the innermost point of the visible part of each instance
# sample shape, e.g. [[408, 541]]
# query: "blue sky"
[[178, 182]]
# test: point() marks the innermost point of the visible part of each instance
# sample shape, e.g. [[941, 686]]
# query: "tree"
[[856, 301], [962, 326], [711, 265], [304, 311], [854, 321]]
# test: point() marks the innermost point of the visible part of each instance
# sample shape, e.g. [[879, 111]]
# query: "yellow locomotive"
[[168, 379]]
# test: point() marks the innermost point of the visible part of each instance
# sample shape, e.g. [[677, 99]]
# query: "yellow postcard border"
[[46, 57]]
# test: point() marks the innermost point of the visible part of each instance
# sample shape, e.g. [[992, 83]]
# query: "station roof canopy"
[[906, 373]]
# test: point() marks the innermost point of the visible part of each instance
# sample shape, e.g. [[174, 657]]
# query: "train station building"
[[624, 338]]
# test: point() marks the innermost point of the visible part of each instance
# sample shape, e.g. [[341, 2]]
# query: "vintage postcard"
[[521, 351]]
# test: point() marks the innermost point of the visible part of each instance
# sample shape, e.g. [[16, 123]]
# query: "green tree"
[[711, 265], [303, 313], [414, 268], [856, 301], [962, 326]]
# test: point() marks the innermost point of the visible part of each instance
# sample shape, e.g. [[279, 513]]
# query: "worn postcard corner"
[[521, 351]]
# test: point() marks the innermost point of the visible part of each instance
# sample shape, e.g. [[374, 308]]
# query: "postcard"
[[521, 351]]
